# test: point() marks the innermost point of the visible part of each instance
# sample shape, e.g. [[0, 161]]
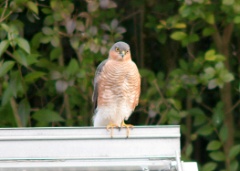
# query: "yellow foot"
[[128, 126], [110, 127]]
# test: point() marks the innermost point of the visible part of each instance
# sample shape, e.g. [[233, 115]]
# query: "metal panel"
[[189, 166], [91, 165], [88, 148], [88, 142]]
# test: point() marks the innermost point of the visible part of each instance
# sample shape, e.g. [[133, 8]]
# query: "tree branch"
[[4, 10], [234, 106], [227, 33], [29, 68], [160, 93], [217, 37], [67, 106]]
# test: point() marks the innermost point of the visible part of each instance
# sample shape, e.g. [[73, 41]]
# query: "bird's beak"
[[123, 53]]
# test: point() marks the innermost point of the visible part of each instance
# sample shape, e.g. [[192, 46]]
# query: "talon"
[[110, 127], [128, 126]]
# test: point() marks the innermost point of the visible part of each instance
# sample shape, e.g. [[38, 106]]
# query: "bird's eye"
[[117, 49], [127, 51]]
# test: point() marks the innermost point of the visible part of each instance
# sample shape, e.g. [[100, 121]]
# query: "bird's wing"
[[96, 80], [135, 89]]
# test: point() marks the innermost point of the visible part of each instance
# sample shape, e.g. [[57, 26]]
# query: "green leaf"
[[151, 92], [3, 46], [228, 2], [173, 113], [220, 57], [234, 151], [185, 11], [6, 66], [49, 20], [162, 37], [22, 43], [227, 77], [234, 165], [205, 130], [16, 84], [214, 145], [45, 39], [183, 64], [180, 25], [192, 38], [208, 31], [178, 35], [72, 67], [33, 76], [210, 18], [47, 31], [46, 10], [199, 116], [223, 133], [211, 166], [210, 55], [210, 71], [236, 19], [32, 59], [173, 116], [32, 6], [47, 115], [21, 57], [7, 94], [54, 4], [176, 103], [55, 41], [5, 27], [74, 41], [218, 114], [55, 53], [147, 74], [219, 66], [217, 155], [189, 150], [35, 40], [24, 111]]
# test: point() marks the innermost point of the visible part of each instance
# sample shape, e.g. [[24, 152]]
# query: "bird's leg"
[[128, 126], [110, 127]]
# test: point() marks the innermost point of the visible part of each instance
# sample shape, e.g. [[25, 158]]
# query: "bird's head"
[[120, 51]]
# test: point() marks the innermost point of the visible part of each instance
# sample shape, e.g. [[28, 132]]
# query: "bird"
[[116, 91]]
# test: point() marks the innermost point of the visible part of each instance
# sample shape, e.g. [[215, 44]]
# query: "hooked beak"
[[123, 53]]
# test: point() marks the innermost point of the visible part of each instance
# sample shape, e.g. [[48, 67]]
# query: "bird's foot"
[[110, 127], [128, 126]]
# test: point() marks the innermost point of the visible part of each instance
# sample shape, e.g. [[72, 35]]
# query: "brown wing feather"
[[96, 82], [137, 91], [137, 87]]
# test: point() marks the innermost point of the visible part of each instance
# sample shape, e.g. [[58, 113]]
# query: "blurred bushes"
[[187, 51]]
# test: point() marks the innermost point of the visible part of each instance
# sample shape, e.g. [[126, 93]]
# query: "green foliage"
[[234, 151], [49, 51], [46, 68], [3, 46], [217, 155], [206, 71], [5, 67], [209, 166], [214, 145]]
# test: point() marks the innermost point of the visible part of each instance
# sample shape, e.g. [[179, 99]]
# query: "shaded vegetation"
[[188, 53]]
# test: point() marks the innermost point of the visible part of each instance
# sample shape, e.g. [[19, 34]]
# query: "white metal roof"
[[89, 148]]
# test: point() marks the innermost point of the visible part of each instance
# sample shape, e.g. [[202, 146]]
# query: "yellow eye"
[[117, 49]]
